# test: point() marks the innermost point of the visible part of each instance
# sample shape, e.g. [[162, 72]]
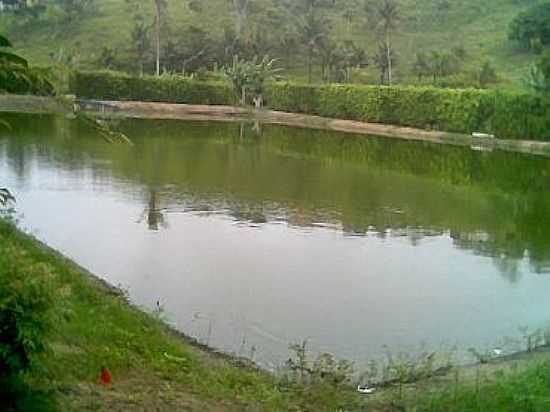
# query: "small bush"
[[28, 301], [26, 298]]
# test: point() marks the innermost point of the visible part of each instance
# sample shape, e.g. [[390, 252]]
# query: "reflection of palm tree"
[[155, 218], [508, 268], [153, 212]]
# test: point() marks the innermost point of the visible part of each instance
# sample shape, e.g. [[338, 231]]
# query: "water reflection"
[[495, 204], [153, 213], [272, 233]]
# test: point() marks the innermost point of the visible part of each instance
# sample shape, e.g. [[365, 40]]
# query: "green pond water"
[[255, 239]]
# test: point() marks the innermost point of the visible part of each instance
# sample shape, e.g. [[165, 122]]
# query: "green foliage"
[[105, 331], [27, 302], [167, 88], [249, 77], [507, 115], [75, 9], [29, 309], [325, 368], [17, 77], [539, 75], [487, 75], [532, 27], [272, 27], [5, 197]]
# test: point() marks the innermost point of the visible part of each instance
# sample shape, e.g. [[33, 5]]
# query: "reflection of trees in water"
[[153, 213], [508, 267], [495, 204]]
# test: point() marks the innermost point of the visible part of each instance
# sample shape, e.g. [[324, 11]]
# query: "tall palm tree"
[[389, 19], [241, 15], [160, 6]]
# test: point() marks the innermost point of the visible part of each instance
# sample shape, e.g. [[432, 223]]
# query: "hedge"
[[508, 115], [170, 89]]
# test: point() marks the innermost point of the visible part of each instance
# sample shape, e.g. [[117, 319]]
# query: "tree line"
[[300, 34]]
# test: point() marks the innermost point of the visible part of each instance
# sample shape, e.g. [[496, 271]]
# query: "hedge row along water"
[[507, 115]]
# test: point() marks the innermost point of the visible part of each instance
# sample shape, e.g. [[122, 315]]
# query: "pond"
[[252, 238]]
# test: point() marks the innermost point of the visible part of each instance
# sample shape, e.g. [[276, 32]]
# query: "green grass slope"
[[478, 26]]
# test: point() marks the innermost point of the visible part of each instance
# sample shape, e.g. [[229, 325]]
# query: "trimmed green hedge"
[[170, 89], [505, 114]]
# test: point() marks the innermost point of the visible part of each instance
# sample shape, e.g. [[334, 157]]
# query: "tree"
[[107, 58], [190, 55], [160, 8], [313, 31], [74, 9], [438, 64], [422, 66], [487, 75], [140, 40], [349, 14], [388, 13], [240, 7], [338, 60], [251, 76], [539, 75], [532, 27], [383, 59]]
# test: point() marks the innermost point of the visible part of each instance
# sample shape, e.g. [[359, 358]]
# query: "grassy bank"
[[508, 115], [154, 368]]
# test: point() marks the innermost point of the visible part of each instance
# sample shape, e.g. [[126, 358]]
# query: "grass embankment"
[[155, 369]]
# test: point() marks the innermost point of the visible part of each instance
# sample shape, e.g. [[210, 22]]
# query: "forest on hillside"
[[441, 42]]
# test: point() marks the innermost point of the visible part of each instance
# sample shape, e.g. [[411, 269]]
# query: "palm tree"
[[349, 14], [313, 30], [389, 18], [140, 41], [241, 14], [160, 6]]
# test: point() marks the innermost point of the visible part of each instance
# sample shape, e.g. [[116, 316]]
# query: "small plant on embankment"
[[29, 307]]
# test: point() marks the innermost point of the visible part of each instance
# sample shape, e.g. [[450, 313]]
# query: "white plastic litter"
[[483, 135], [366, 390]]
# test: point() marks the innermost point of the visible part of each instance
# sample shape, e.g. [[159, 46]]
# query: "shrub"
[[532, 27], [507, 115], [110, 85], [27, 307]]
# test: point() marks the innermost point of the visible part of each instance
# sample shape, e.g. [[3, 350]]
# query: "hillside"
[[479, 28]]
